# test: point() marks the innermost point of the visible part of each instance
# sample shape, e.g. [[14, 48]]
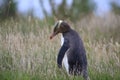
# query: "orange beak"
[[52, 35]]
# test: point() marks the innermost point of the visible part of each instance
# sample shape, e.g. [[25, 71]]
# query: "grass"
[[26, 53]]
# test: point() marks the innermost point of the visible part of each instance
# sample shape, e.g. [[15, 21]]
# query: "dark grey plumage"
[[74, 49]]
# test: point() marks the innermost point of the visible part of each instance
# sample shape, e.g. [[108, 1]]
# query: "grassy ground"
[[26, 53]]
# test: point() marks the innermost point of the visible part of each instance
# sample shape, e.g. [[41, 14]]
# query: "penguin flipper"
[[61, 53]]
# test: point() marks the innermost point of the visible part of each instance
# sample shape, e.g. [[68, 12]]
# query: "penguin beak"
[[52, 35]]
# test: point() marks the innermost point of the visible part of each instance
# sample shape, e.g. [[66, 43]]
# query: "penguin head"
[[60, 27]]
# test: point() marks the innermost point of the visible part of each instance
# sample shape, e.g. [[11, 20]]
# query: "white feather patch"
[[65, 63], [62, 40]]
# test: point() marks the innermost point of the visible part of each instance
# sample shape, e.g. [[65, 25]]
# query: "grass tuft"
[[26, 53]]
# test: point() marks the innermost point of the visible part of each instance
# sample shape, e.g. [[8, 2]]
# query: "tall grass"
[[26, 53]]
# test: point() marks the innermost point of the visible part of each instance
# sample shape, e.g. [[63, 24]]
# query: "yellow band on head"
[[59, 23]]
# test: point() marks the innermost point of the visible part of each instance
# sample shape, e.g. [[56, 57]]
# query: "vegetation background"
[[26, 53]]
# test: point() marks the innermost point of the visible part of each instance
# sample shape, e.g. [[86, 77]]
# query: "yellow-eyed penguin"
[[72, 52]]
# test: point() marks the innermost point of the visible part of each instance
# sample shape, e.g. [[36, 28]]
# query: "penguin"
[[72, 52]]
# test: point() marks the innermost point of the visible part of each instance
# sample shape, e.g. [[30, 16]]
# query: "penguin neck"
[[62, 40], [68, 31], [64, 34]]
